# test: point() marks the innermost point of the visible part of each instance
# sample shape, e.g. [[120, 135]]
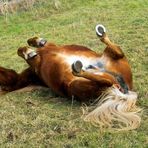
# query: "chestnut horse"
[[77, 71]]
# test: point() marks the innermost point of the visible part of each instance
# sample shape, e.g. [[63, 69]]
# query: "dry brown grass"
[[15, 5]]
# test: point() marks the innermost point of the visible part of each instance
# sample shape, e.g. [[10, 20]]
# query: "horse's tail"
[[115, 110]]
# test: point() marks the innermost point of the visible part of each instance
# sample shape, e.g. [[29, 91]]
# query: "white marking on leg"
[[29, 50]]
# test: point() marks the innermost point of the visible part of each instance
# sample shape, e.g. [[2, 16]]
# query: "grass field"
[[43, 119]]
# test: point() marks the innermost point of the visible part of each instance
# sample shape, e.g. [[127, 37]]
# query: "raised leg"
[[36, 42], [112, 50], [39, 42], [31, 57], [101, 78], [26, 52]]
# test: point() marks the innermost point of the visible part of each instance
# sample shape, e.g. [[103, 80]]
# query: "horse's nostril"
[[100, 30]]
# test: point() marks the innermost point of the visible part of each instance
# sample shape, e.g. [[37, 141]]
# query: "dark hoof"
[[32, 54], [100, 30], [77, 66], [42, 42]]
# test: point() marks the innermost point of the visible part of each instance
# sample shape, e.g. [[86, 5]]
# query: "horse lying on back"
[[77, 71]]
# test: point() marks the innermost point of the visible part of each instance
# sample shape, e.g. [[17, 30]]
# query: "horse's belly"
[[86, 61], [56, 70]]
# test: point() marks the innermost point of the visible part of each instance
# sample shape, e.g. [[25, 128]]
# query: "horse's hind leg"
[[112, 50], [28, 77], [91, 87], [10, 80], [8, 77], [101, 78], [84, 89]]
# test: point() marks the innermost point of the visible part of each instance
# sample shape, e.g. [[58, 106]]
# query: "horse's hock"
[[11, 6]]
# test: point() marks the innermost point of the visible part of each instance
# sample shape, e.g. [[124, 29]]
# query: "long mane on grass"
[[114, 110]]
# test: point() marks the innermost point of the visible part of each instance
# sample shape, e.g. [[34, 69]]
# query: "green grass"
[[42, 119]]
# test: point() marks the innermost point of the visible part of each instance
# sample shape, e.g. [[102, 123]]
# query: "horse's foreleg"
[[39, 42], [36, 42], [112, 50]]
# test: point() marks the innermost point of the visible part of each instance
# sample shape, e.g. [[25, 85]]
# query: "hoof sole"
[[32, 54], [100, 30], [42, 42], [77, 66]]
